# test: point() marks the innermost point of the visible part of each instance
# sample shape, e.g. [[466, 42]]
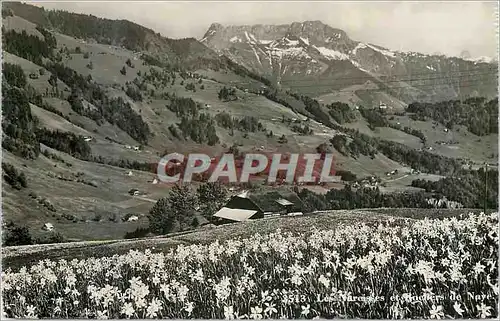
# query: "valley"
[[102, 104]]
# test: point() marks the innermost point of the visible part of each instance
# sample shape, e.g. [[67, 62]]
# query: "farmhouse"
[[134, 192], [48, 227], [239, 208], [132, 218], [250, 206]]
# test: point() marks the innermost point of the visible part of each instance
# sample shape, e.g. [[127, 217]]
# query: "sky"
[[428, 27]]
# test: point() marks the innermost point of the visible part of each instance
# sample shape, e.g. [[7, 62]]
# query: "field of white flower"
[[420, 269]]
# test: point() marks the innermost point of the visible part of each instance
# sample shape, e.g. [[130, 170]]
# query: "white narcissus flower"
[[305, 310], [228, 312], [458, 308], [256, 313], [323, 280], [436, 312], [128, 309], [484, 310]]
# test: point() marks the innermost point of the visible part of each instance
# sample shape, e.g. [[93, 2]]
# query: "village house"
[[134, 192], [251, 205], [48, 227], [239, 208], [132, 218]]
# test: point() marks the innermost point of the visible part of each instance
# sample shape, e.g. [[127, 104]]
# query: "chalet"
[[48, 227], [132, 218], [286, 204], [200, 220], [382, 106], [33, 76], [249, 206], [239, 208], [134, 192]]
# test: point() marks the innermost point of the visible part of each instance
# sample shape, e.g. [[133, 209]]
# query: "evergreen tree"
[[175, 212]]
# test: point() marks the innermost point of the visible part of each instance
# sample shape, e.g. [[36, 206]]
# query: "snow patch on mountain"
[[430, 68], [265, 42], [256, 55], [331, 54], [291, 42], [290, 53], [334, 38], [357, 65], [251, 38], [235, 39], [359, 46], [481, 59], [305, 40], [383, 51]]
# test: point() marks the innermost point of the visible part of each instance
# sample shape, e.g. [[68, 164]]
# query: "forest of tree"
[[179, 211], [349, 198], [29, 47], [469, 187], [13, 177], [18, 124], [374, 118], [361, 144], [420, 160], [66, 142], [479, 115], [14, 75], [227, 94], [341, 112], [245, 124], [175, 212], [201, 129], [114, 110]]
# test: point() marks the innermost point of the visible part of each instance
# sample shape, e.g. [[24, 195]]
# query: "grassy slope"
[[470, 146], [15, 257]]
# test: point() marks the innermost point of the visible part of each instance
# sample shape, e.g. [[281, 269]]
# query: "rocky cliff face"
[[314, 58]]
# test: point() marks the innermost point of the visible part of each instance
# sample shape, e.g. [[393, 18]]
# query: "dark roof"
[[267, 201]]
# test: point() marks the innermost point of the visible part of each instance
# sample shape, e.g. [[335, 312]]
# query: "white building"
[[133, 218], [48, 227]]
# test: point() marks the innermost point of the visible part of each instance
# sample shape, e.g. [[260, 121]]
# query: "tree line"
[[471, 188], [478, 114], [181, 209]]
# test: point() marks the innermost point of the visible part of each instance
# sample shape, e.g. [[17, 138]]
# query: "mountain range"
[[314, 58]]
